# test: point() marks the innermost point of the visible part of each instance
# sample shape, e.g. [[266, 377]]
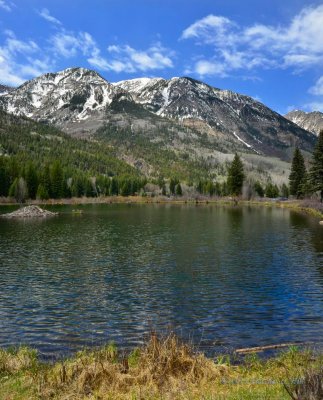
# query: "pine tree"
[[4, 178], [297, 175], [31, 178], [259, 189], [57, 181], [316, 171], [44, 178], [235, 176], [172, 185], [114, 187], [42, 193], [271, 191], [179, 191], [285, 191]]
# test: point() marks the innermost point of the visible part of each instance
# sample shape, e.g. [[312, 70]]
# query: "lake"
[[221, 277]]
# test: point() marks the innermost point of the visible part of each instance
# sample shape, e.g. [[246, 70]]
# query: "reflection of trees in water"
[[301, 222]]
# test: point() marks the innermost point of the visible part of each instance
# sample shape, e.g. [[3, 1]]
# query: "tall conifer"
[[316, 171], [298, 173]]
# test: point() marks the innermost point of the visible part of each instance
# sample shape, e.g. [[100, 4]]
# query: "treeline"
[[53, 181], [305, 182], [39, 161]]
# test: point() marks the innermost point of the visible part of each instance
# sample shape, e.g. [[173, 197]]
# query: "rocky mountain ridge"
[[80, 101], [311, 121]]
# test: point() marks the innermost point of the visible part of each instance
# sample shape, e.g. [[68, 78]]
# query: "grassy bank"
[[314, 208], [161, 369]]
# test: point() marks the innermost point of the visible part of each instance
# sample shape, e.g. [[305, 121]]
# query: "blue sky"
[[271, 50]]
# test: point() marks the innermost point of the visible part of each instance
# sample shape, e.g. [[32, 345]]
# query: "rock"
[[29, 212]]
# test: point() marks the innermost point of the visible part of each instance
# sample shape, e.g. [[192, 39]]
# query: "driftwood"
[[263, 348]]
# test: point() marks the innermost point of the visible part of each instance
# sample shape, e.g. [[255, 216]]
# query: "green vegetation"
[[162, 368], [298, 174], [235, 176], [39, 161], [316, 171]]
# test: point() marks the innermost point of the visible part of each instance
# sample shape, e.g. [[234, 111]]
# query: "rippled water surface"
[[223, 277]]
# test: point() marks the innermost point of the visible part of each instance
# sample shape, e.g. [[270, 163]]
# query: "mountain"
[[5, 90], [311, 121], [236, 116], [162, 126], [66, 99]]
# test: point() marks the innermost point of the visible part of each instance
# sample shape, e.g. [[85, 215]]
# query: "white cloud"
[[204, 67], [317, 89], [210, 29], [44, 13], [128, 59], [297, 45], [66, 44], [6, 5], [20, 60], [314, 106]]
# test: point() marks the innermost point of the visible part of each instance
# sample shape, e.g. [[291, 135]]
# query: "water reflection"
[[224, 276]]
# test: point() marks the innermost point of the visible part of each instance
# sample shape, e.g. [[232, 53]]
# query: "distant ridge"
[[311, 121]]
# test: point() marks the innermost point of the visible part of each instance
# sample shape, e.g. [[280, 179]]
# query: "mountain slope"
[[181, 114], [311, 121], [5, 90], [66, 99], [235, 115], [23, 140]]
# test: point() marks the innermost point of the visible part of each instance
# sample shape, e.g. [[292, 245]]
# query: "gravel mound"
[[29, 212]]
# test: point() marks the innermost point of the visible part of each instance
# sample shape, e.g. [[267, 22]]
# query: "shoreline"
[[161, 368], [295, 205]]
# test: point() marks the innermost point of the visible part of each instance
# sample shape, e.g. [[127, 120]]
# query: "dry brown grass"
[[13, 361], [162, 369], [161, 366]]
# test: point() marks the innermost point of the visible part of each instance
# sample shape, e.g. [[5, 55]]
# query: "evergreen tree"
[[4, 178], [114, 187], [224, 189], [285, 190], [164, 190], [78, 186], [217, 189], [44, 178], [179, 191], [42, 193], [172, 185], [271, 191], [259, 189], [235, 176], [31, 178], [57, 181], [297, 175], [126, 188], [210, 188], [199, 187], [316, 171]]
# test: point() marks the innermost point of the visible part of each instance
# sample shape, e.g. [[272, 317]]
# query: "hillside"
[[33, 150], [77, 101], [179, 127]]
